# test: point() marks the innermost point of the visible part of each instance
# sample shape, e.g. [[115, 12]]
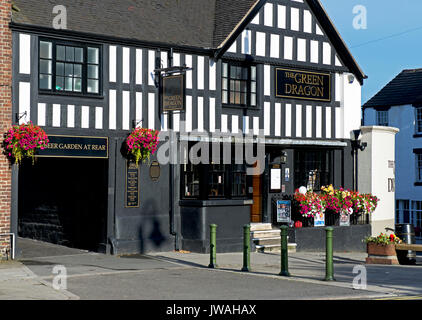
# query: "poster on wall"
[[344, 219], [276, 180], [319, 219], [283, 211]]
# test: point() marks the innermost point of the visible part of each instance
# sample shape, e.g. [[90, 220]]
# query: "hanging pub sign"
[[299, 84], [132, 185], [75, 147], [173, 92]]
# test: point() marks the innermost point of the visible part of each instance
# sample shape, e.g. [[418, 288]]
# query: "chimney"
[[5, 122]]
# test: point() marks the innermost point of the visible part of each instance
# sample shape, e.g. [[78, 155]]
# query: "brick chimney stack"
[[5, 121]]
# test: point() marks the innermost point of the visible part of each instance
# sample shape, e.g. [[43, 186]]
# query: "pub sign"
[[299, 84], [173, 92]]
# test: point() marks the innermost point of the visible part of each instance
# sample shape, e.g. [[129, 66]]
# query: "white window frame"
[[418, 167], [385, 116], [418, 120]]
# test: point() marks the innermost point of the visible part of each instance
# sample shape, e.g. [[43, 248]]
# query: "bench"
[[407, 247]]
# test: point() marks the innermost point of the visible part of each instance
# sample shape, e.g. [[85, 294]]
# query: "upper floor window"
[[69, 68], [419, 167], [419, 120], [382, 117], [239, 84]]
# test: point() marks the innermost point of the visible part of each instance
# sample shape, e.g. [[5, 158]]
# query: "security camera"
[[363, 146]]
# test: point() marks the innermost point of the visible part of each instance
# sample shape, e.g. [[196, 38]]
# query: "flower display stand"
[[381, 254]]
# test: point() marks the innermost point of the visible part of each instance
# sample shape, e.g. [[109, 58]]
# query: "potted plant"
[[22, 141], [142, 143], [310, 204], [382, 249]]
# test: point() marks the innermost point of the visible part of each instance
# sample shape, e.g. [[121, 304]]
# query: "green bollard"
[[329, 266], [284, 252], [246, 248], [213, 241]]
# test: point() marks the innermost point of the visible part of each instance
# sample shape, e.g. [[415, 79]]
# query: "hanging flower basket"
[[22, 141], [142, 143]]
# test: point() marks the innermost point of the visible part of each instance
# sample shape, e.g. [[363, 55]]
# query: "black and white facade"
[[94, 84]]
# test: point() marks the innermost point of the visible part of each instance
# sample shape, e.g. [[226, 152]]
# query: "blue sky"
[[397, 23]]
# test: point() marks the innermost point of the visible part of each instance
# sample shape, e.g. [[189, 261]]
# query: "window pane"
[[68, 84], [79, 55], [77, 84], [224, 97], [237, 98], [232, 98], [225, 70], [225, 84], [253, 73], [92, 86], [59, 83], [70, 54], [93, 55], [92, 72], [232, 83], [68, 69], [77, 69], [253, 87], [46, 50], [239, 73], [60, 69], [232, 72], [237, 86], [45, 82], [244, 86], [45, 66], [61, 53], [253, 99], [245, 73]]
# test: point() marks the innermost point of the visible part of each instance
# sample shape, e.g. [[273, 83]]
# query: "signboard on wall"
[[300, 84], [75, 147], [132, 185], [319, 219], [173, 93], [283, 210]]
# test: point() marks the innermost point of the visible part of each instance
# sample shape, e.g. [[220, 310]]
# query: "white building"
[[399, 104]]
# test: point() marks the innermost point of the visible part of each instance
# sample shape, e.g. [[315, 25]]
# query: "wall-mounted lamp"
[[351, 78]]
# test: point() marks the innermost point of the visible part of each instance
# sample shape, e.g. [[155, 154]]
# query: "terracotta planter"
[[381, 254], [381, 250]]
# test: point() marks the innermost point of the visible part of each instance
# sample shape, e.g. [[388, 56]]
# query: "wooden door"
[[256, 208]]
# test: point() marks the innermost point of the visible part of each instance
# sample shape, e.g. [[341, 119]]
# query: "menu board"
[[132, 185]]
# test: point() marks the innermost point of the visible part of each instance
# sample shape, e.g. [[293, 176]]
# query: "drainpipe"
[[173, 231]]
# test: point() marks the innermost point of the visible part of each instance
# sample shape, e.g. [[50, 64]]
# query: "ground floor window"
[[313, 168], [402, 211], [410, 212], [214, 180], [417, 217]]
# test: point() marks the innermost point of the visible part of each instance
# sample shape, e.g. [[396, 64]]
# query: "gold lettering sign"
[[173, 93], [297, 84], [75, 147]]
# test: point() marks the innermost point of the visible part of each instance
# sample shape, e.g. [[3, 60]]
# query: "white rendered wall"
[[374, 172], [351, 104], [402, 117]]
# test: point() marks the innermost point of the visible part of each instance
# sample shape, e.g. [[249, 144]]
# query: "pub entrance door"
[[64, 201], [257, 196]]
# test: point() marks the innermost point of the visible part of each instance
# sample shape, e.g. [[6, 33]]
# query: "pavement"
[[49, 272]]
